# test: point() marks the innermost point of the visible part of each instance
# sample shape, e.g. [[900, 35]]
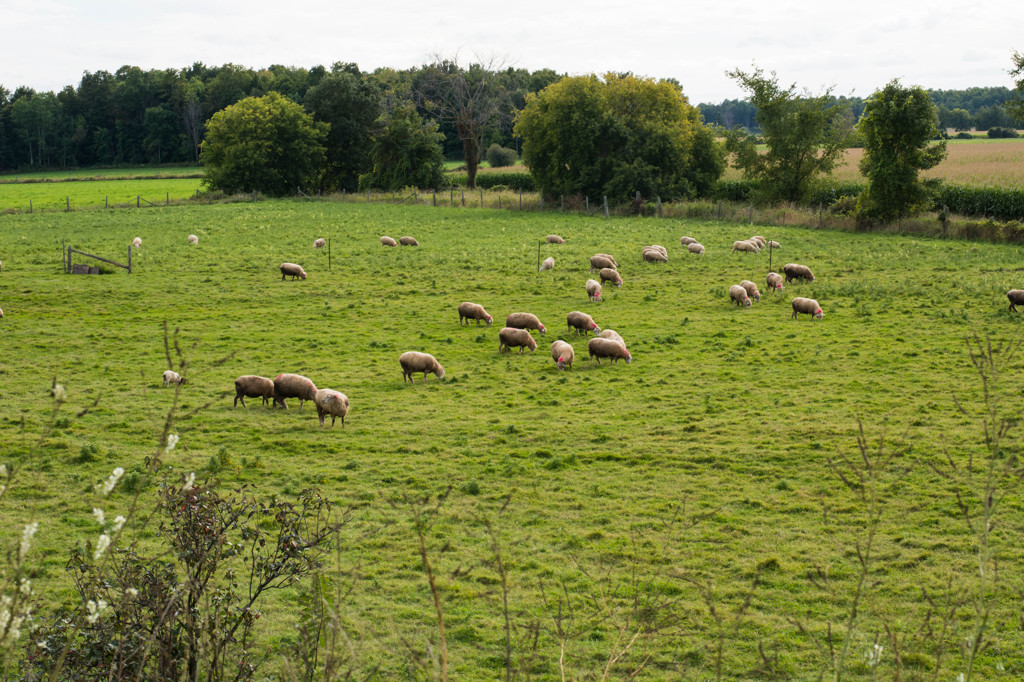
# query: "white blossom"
[[112, 480], [172, 440], [26, 539], [874, 655], [101, 547], [100, 517], [25, 587], [95, 608], [118, 523], [189, 481]]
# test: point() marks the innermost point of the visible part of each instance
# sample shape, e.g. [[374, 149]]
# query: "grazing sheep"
[[474, 311], [751, 290], [759, 240], [554, 239], [293, 270], [594, 289], [695, 248], [525, 321], [1, 266], [408, 241], [1, 312], [330, 402], [192, 239], [774, 281], [582, 323], [548, 264], [739, 295], [795, 271], [388, 241], [293, 386], [613, 335], [774, 245], [1016, 297], [171, 378], [807, 305], [610, 275], [413, 361], [137, 242], [600, 260], [319, 244], [563, 354], [510, 337], [745, 246], [607, 348], [686, 241], [252, 386], [654, 254]]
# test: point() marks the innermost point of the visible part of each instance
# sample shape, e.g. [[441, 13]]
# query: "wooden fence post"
[[67, 204], [130, 249], [167, 202], [750, 218], [29, 205], [587, 204], [481, 197], [138, 201], [106, 201], [561, 198], [606, 206]]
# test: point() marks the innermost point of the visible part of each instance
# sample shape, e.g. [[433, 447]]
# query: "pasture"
[[688, 505]]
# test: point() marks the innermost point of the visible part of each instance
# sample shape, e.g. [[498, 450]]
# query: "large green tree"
[[1016, 105], [804, 135], [267, 144], [616, 136], [406, 152], [898, 126]]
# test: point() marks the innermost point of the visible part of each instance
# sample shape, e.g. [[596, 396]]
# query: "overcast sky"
[[854, 47]]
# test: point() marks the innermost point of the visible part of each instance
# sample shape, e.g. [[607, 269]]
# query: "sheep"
[[654, 254], [408, 241], [751, 290], [599, 261], [739, 295], [137, 242], [594, 289], [609, 257], [807, 305], [686, 241], [607, 348], [330, 402], [554, 239], [252, 386], [613, 335], [413, 361], [582, 323], [774, 281], [525, 321], [759, 240], [293, 386], [192, 239], [774, 245], [293, 270], [1016, 297], [548, 264], [1, 312], [610, 275], [319, 243], [745, 246], [509, 337], [474, 311], [563, 354], [795, 271], [695, 248], [172, 378], [388, 241]]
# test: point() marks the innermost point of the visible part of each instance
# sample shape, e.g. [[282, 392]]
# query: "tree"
[[617, 136], [805, 136], [267, 144], [960, 119], [898, 126], [351, 104], [1016, 105], [406, 152]]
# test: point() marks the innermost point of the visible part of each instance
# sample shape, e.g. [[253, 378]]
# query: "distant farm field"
[[49, 196], [100, 173], [689, 504]]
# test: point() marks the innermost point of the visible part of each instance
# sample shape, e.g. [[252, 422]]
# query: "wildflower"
[[26, 539], [25, 587], [101, 547], [874, 655], [98, 513], [95, 608], [58, 393], [172, 440], [189, 481], [118, 523], [112, 480]]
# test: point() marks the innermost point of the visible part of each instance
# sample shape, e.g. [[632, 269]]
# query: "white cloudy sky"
[[854, 47]]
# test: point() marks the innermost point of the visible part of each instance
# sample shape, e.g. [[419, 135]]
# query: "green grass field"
[[55, 196], [77, 174], [696, 477]]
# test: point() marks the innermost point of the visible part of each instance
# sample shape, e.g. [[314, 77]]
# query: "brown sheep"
[[474, 311], [774, 281], [594, 289], [751, 290], [331, 402], [525, 321], [563, 354], [610, 275], [607, 348], [413, 361], [293, 270], [1016, 297], [807, 305], [554, 239], [795, 271], [292, 386], [739, 295], [511, 337], [582, 323], [600, 260], [408, 241], [252, 386], [388, 241]]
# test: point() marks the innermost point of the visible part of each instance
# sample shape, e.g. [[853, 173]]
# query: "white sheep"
[[695, 248], [807, 305], [192, 239], [172, 378], [548, 264], [739, 295], [331, 402], [686, 241], [745, 246], [137, 242], [319, 244], [594, 289], [563, 354]]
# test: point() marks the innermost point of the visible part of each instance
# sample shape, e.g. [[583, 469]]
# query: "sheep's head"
[[438, 370], [561, 363], [543, 330], [303, 274], [818, 314], [629, 358], [490, 320]]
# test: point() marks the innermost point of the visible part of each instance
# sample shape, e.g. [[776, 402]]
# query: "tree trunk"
[[471, 152]]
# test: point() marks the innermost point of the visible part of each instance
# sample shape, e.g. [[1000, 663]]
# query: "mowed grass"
[[53, 196], [75, 174], [702, 463]]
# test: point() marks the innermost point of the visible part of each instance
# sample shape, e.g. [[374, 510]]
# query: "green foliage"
[[406, 152], [1000, 132], [963, 136], [617, 136], [1016, 106], [266, 144], [350, 104], [484, 180], [990, 202], [499, 156], [805, 135], [898, 125], [960, 120]]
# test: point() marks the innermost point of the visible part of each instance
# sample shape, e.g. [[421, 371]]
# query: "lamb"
[[548, 264], [137, 242], [474, 311], [613, 335], [686, 241], [739, 295], [330, 402], [1016, 297], [510, 337], [582, 323], [607, 348], [408, 241], [252, 386], [774, 281], [795, 271], [563, 354], [293, 270], [293, 386], [610, 275], [695, 248], [654, 254], [388, 241], [192, 239], [554, 239], [599, 261], [751, 290], [774, 245], [807, 305], [319, 244], [594, 289], [525, 321], [413, 361], [745, 246], [172, 378]]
